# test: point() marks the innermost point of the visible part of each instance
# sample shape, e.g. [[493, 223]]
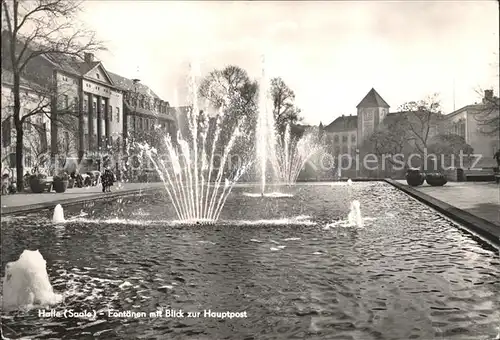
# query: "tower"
[[371, 112]]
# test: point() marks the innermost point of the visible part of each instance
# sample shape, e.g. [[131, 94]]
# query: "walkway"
[[478, 198], [21, 202]]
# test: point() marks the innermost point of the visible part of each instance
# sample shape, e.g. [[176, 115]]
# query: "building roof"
[[372, 99], [128, 85], [342, 123], [8, 79]]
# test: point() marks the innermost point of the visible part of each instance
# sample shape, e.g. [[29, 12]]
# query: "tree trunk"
[[19, 158], [19, 132]]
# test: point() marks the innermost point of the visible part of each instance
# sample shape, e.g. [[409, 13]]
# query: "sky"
[[330, 53]]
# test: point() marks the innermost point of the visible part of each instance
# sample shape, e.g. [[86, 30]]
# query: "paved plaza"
[[20, 200], [478, 198]]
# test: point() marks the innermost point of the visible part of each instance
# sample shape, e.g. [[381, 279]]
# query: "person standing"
[[105, 180], [497, 158]]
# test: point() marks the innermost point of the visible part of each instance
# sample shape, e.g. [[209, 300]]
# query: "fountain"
[[355, 218], [189, 169], [265, 132], [286, 154], [292, 155], [26, 283], [58, 216]]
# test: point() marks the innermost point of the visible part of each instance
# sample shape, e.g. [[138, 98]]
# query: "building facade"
[[90, 112], [346, 134], [36, 128], [468, 122], [146, 115]]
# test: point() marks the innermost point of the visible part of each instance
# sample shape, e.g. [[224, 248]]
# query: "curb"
[[74, 201], [472, 224]]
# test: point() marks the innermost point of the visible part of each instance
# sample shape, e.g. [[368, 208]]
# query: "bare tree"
[[232, 88], [33, 29], [284, 109], [488, 114], [450, 147], [421, 119]]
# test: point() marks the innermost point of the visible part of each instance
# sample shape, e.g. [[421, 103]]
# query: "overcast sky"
[[330, 53]]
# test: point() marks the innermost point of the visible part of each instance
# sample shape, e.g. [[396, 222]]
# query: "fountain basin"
[[408, 269]]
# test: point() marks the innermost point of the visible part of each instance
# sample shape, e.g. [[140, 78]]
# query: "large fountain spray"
[[190, 169], [265, 131], [286, 154], [292, 154]]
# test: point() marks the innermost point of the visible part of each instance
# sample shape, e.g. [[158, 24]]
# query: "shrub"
[[63, 176]]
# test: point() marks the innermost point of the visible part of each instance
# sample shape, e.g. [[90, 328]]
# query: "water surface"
[[410, 273]]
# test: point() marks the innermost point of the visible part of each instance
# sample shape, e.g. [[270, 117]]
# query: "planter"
[[414, 177], [71, 183], [60, 185], [436, 179], [37, 185]]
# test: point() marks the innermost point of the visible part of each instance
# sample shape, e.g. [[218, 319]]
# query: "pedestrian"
[[107, 180], [104, 181], [5, 184], [497, 157], [110, 179]]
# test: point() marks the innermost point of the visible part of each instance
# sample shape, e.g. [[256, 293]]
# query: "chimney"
[[88, 57], [488, 94]]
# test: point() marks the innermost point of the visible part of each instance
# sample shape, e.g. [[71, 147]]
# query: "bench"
[[480, 175]]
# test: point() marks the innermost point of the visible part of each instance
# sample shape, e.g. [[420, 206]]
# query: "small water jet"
[[58, 216], [355, 218], [26, 283], [349, 182]]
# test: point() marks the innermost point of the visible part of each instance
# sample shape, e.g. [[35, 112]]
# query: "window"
[[66, 141], [43, 137], [344, 139], [66, 102], [97, 75], [75, 104], [146, 124], [94, 106], [344, 149], [28, 161], [85, 105], [368, 115], [6, 132], [103, 108], [110, 113], [86, 140], [133, 122], [353, 138], [117, 114], [140, 123], [27, 124], [336, 138]]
